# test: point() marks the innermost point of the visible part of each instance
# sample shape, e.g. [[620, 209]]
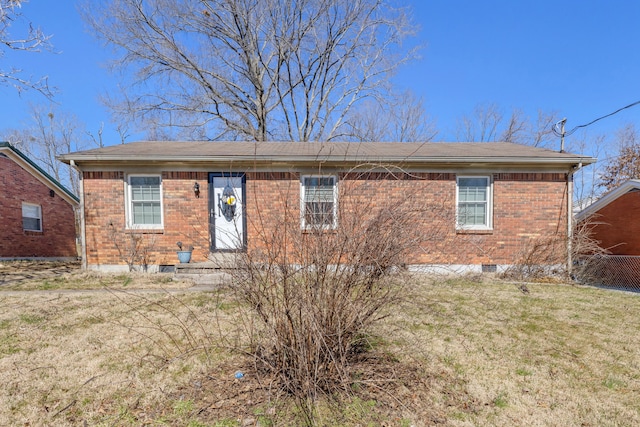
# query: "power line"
[[558, 128]]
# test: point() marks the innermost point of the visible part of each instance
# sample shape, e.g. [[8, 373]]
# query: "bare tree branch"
[[51, 134], [626, 165], [257, 70], [401, 118], [586, 180], [29, 39], [488, 124], [482, 126]]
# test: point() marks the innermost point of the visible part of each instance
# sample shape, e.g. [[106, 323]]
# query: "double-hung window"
[[474, 198], [31, 217], [319, 202], [144, 204]]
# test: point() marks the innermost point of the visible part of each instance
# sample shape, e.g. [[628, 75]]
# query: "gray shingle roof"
[[335, 152]]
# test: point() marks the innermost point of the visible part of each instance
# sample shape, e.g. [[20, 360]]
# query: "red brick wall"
[[58, 236], [526, 206], [272, 203], [431, 194], [185, 219], [617, 227]]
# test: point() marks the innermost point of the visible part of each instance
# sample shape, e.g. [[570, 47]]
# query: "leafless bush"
[[541, 257], [546, 256], [173, 333], [586, 252], [133, 248], [316, 292]]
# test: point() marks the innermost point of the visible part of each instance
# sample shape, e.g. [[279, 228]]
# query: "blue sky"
[[580, 58]]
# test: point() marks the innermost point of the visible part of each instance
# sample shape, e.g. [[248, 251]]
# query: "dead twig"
[[73, 402]]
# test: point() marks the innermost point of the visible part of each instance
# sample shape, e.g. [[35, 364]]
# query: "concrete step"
[[226, 260], [216, 262], [217, 271], [215, 280], [197, 268], [202, 274]]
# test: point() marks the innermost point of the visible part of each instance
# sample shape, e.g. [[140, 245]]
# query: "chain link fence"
[[611, 271]]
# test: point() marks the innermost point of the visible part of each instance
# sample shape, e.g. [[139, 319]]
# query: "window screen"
[[31, 217], [319, 202], [146, 206], [473, 202]]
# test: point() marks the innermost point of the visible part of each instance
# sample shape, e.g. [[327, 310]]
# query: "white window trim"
[[303, 223], [489, 224], [39, 215], [128, 205]]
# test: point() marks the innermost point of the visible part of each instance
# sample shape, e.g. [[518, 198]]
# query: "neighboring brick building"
[[486, 201], [37, 213], [615, 219]]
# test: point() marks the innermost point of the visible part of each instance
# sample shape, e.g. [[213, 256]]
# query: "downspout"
[[570, 217], [83, 230], [569, 221]]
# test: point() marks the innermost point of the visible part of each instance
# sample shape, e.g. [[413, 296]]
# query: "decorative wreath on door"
[[227, 203]]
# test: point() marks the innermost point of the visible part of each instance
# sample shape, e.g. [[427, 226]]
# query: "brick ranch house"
[[37, 213], [220, 196]]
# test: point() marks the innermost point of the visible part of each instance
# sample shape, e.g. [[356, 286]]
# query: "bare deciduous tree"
[[488, 123], [515, 127], [401, 118], [28, 38], [482, 126], [626, 165], [542, 134], [586, 180], [256, 70], [51, 134]]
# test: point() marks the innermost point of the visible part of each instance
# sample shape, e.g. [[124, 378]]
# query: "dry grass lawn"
[[457, 353]]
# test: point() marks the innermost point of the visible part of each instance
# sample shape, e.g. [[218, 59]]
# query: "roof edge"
[[608, 198], [6, 146], [575, 159]]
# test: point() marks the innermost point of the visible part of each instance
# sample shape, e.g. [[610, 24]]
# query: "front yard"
[[456, 353]]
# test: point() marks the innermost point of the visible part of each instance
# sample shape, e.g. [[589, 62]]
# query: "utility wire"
[[557, 130]]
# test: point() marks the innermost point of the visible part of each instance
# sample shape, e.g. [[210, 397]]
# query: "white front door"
[[227, 212]]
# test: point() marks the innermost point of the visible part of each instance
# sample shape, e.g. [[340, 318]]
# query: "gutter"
[[341, 160]]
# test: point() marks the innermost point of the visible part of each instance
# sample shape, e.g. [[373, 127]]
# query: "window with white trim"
[[474, 203], [31, 217], [319, 205], [144, 201]]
